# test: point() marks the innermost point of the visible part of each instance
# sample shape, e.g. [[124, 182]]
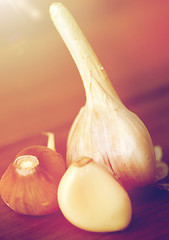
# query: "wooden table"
[[37, 94]]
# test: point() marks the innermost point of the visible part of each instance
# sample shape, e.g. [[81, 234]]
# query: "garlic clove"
[[91, 199], [29, 185], [161, 167], [161, 171], [104, 130], [158, 153]]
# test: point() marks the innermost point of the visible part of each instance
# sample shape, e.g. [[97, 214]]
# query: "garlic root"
[[104, 130]]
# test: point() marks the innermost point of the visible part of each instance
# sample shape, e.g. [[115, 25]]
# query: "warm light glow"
[[39, 79], [35, 14], [25, 7]]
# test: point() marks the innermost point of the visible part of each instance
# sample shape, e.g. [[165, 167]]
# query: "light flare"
[[26, 7]]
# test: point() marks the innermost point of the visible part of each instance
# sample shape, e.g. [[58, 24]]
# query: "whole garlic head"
[[115, 138], [104, 130]]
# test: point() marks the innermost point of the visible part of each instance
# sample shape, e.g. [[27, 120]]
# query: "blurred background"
[[40, 87]]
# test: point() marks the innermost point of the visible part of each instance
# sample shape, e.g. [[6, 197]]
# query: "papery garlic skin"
[[112, 140], [51, 161], [32, 194], [29, 185], [104, 130], [91, 199]]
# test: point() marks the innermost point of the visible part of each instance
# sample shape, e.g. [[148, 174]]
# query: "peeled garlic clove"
[[91, 199], [104, 130], [29, 185]]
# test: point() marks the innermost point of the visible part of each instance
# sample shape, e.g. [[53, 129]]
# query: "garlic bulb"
[[104, 130], [30, 183]]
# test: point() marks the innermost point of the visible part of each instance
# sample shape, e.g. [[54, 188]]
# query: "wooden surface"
[[40, 90]]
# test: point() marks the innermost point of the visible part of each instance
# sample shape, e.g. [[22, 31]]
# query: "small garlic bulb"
[[104, 130], [30, 183]]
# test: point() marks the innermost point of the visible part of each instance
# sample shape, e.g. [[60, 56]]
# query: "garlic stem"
[[87, 63], [51, 140]]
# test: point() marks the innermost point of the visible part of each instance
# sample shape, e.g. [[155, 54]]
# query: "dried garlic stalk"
[[104, 130]]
